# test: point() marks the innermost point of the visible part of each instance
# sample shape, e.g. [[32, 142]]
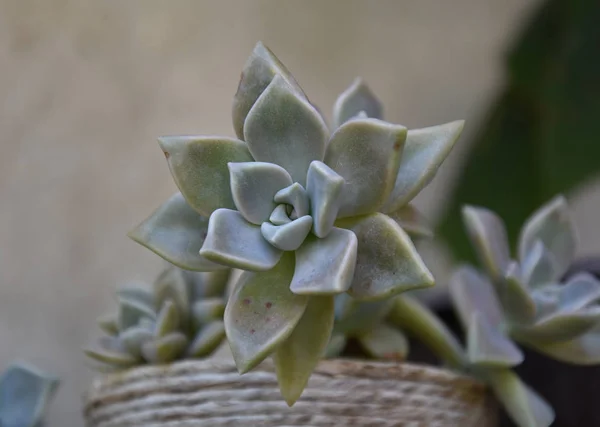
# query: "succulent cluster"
[[180, 316], [25, 393], [526, 300], [307, 211]]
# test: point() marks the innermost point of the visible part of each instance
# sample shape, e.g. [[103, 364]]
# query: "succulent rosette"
[[305, 212], [526, 300]]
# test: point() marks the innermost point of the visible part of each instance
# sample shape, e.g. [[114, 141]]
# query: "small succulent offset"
[[25, 393], [305, 212], [180, 316], [526, 300]]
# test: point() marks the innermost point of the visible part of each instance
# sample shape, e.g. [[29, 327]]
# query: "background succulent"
[[180, 316], [485, 358], [301, 209], [25, 393], [525, 299]]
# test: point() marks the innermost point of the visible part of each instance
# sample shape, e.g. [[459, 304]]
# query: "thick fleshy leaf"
[[234, 242], [558, 327], [287, 237], [167, 320], [176, 233], [539, 267], [207, 340], [172, 285], [518, 304], [324, 187], [357, 99], [325, 266], [488, 346], [582, 350], [387, 262], [137, 292], [424, 151], [385, 342], [131, 311], [109, 324], [412, 221], [254, 185], [262, 312], [25, 393], [523, 405], [133, 339], [488, 235], [552, 224], [199, 167], [207, 284], [296, 196], [259, 70], [366, 153], [336, 345], [472, 292], [360, 317], [580, 291], [111, 351], [546, 300], [297, 356], [207, 310], [282, 127], [165, 349], [279, 216]]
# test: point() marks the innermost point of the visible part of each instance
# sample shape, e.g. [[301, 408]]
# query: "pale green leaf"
[[387, 262], [488, 346], [424, 152], [207, 340], [254, 186], [287, 237], [199, 167], [282, 127], [366, 153], [412, 221], [385, 342], [356, 99], [298, 355], [259, 70], [176, 233], [488, 235], [165, 349], [235, 242], [262, 312], [325, 187], [553, 226], [325, 266]]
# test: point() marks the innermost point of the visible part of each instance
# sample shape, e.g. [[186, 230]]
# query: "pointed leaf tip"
[[176, 232], [424, 152], [298, 355], [285, 129], [198, 165], [356, 100]]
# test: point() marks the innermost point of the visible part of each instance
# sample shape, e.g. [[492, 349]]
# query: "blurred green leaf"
[[541, 136]]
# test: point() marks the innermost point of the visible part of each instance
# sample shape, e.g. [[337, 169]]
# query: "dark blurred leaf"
[[542, 134]]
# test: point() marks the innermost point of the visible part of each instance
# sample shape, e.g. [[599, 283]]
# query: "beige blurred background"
[[86, 87]]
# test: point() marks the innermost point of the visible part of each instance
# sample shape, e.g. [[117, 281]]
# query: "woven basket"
[[340, 393]]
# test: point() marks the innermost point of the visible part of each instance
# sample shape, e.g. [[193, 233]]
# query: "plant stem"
[[413, 317]]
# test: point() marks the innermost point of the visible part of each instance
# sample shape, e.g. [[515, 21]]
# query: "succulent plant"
[[306, 212], [484, 358], [180, 316], [365, 322], [525, 300], [25, 393]]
